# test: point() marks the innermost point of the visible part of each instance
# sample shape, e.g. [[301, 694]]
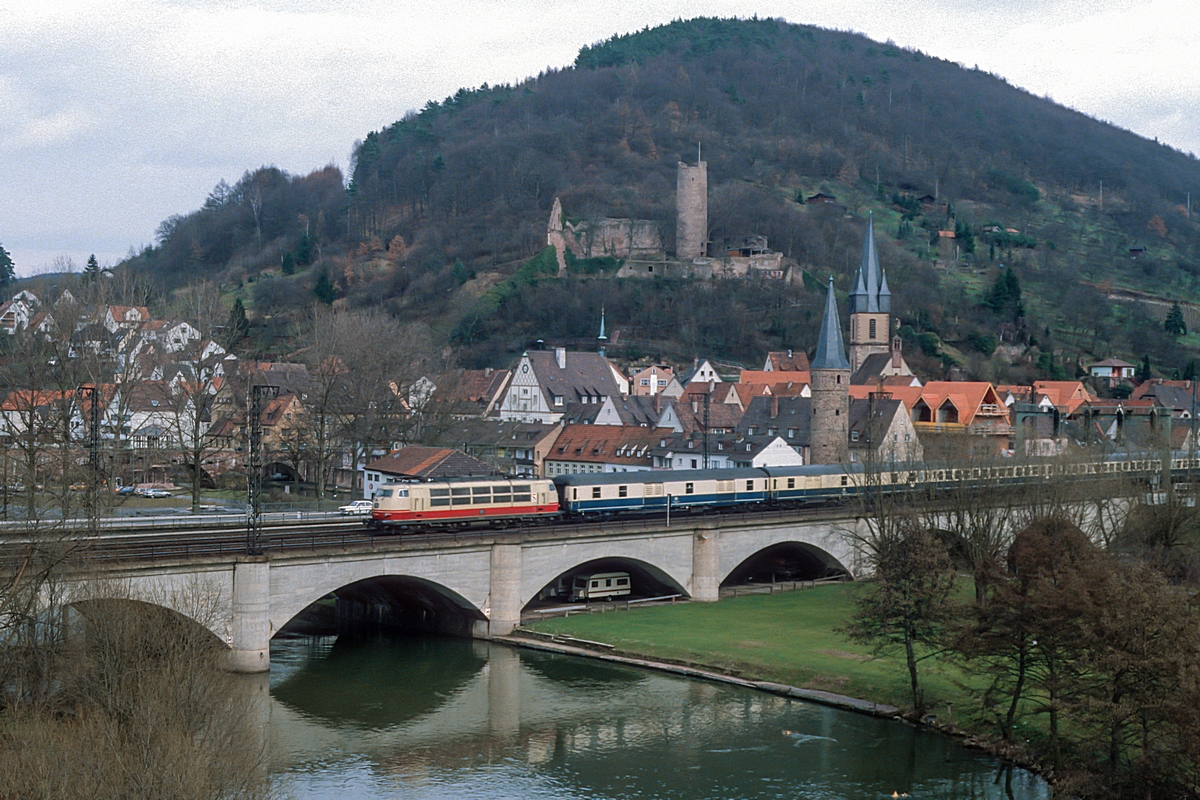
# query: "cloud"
[[115, 115]]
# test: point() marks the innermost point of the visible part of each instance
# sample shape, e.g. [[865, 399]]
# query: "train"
[[472, 501]]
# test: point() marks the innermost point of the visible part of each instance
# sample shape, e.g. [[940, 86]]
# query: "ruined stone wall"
[[691, 203]]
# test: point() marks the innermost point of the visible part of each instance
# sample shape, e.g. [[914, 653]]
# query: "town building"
[[544, 383]]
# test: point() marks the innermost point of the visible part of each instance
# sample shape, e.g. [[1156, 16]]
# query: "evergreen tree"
[[1174, 323], [92, 270], [8, 273], [304, 251], [1004, 297], [238, 326], [1143, 370], [287, 264], [323, 289]]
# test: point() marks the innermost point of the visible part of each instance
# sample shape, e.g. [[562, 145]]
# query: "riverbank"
[[789, 639]]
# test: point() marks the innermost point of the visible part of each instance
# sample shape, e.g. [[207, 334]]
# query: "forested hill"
[[445, 204]]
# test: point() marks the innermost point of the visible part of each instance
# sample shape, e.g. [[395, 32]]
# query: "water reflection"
[[441, 718]]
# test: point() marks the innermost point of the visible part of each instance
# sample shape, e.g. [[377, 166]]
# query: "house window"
[[558, 401], [791, 433], [644, 381], [693, 463], [871, 325], [854, 436]]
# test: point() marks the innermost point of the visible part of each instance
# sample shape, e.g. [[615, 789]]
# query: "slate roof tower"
[[830, 372], [870, 304]]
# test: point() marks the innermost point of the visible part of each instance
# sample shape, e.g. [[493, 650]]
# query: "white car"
[[359, 508], [156, 493]]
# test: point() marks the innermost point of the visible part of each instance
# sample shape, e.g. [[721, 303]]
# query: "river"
[[429, 717]]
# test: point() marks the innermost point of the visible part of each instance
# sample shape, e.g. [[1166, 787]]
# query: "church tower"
[[830, 371], [870, 305]]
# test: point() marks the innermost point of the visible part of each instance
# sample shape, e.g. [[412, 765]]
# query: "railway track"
[[223, 538]]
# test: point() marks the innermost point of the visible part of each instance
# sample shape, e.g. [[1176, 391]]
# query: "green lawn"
[[787, 638]]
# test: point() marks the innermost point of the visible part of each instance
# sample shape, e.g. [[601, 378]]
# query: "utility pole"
[[254, 468], [1101, 195], [93, 495], [707, 402]]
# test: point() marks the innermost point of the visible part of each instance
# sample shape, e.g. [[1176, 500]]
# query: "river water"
[[435, 718]]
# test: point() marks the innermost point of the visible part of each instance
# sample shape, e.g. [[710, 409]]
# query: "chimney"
[[897, 345], [774, 407], [560, 355]]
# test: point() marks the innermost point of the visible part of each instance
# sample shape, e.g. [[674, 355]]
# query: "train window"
[[518, 488], [607, 582], [574, 494], [622, 491], [384, 493], [845, 481], [622, 581], [460, 497], [654, 490], [402, 493], [481, 494], [439, 497], [595, 492], [749, 486], [522, 498], [791, 483], [688, 488], [501, 495]]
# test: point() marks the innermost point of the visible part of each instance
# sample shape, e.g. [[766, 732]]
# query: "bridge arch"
[[667, 559], [646, 578], [784, 561], [401, 601], [815, 549], [202, 597], [454, 582]]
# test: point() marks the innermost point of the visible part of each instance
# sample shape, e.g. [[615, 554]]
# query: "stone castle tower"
[[830, 390], [691, 211], [870, 305]]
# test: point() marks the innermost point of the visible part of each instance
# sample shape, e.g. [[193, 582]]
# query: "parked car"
[[124, 490], [156, 493], [359, 508]]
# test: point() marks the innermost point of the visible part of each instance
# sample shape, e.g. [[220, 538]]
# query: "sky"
[[115, 114]]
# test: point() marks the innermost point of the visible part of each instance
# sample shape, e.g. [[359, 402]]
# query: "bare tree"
[[195, 379]]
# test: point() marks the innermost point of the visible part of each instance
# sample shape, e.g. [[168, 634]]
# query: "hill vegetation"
[[443, 208]]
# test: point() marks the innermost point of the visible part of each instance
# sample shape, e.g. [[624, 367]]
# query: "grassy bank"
[[787, 638]]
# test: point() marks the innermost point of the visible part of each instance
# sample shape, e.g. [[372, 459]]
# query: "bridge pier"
[[505, 600], [250, 629], [706, 565]]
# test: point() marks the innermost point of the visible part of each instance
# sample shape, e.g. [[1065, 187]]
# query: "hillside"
[[444, 206]]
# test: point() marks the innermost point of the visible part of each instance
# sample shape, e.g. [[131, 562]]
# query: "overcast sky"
[[115, 114]]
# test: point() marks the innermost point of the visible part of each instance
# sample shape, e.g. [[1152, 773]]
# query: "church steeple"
[[831, 349], [830, 384], [601, 340], [870, 303]]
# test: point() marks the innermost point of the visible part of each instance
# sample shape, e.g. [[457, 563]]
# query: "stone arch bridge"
[[485, 580]]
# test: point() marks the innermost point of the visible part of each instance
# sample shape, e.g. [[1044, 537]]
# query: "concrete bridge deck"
[[480, 579]]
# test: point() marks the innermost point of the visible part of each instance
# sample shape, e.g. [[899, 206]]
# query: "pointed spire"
[[870, 267], [858, 298], [885, 294], [831, 350], [601, 340]]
